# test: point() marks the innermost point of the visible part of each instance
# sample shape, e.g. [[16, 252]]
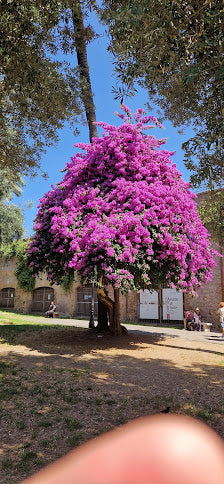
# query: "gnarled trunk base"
[[107, 308]]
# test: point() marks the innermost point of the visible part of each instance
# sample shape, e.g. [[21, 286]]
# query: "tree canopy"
[[211, 210], [123, 210], [11, 183], [37, 93], [11, 215], [11, 223], [174, 49]]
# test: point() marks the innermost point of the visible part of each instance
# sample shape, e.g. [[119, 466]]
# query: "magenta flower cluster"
[[124, 208]]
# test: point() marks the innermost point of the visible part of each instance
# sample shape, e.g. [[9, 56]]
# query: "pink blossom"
[[123, 206]]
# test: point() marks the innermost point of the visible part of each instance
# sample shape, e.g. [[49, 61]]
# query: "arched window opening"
[[83, 302], [42, 296], [7, 297]]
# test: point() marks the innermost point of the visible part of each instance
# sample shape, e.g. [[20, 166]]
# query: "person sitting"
[[189, 321], [51, 310], [197, 320]]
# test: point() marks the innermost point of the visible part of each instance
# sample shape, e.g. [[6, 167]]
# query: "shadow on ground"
[[64, 386]]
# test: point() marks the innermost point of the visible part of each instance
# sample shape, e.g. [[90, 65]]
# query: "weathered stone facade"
[[66, 302]]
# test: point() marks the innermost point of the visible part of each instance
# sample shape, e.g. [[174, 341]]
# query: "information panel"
[[172, 304], [149, 308]]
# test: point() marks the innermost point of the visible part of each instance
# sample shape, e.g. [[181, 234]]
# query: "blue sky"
[[55, 159]]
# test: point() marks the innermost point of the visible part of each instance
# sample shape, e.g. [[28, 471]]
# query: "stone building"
[[164, 306], [73, 303]]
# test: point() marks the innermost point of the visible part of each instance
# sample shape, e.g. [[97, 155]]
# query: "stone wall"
[[209, 296], [22, 301], [65, 301]]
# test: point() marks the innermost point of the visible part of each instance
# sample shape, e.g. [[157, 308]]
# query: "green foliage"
[[11, 223], [37, 94], [23, 272], [174, 49], [11, 216], [211, 211], [11, 183], [67, 281]]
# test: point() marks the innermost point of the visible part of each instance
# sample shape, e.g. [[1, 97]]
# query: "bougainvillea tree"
[[123, 212]]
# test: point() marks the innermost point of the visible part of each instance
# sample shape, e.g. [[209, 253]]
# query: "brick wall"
[[209, 296]]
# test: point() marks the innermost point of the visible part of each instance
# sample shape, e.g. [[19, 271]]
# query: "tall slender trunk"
[[87, 98], [106, 307], [80, 46]]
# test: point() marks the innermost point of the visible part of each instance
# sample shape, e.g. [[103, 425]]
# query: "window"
[[7, 297], [42, 296], [84, 299]]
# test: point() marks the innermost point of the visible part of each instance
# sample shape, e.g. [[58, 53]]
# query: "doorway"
[[42, 296]]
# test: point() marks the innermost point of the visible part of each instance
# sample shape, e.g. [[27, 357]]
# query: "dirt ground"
[[63, 386]]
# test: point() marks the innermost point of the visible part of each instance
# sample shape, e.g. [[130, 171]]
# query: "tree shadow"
[[132, 374], [60, 340], [71, 376]]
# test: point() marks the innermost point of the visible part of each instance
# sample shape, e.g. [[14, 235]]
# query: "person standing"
[[221, 316]]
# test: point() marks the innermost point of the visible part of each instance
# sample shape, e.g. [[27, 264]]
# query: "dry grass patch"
[[63, 386]]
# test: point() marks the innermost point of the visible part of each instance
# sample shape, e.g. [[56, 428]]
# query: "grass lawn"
[[61, 386]]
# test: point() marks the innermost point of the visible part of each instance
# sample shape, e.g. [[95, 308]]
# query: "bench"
[[55, 315], [206, 327]]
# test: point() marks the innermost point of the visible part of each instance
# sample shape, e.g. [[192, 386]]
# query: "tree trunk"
[[87, 97], [80, 46], [116, 330], [103, 323], [106, 307]]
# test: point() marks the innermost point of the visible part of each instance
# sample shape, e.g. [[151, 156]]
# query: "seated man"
[[51, 310]]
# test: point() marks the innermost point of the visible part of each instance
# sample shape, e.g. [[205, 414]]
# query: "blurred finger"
[[162, 449]]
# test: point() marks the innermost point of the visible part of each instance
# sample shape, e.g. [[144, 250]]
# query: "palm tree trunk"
[[87, 98], [106, 306], [80, 46]]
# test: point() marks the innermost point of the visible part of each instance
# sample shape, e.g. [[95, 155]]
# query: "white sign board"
[[172, 304], [149, 308]]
